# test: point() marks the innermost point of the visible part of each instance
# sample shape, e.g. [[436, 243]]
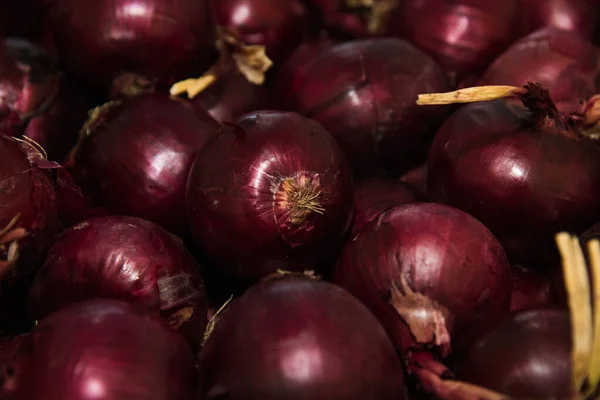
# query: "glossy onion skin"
[[463, 36], [374, 196], [279, 25], [430, 246], [531, 354], [164, 40], [136, 157], [531, 289], [524, 181], [102, 349], [563, 62], [233, 214], [299, 338], [124, 258], [578, 16], [364, 93]]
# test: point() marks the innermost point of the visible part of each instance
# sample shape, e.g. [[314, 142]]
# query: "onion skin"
[[241, 192], [289, 338], [279, 25], [524, 178], [421, 249], [374, 196], [127, 259], [531, 354], [162, 40], [464, 36], [341, 20], [563, 62], [578, 16], [102, 349], [363, 93], [531, 289], [137, 154]]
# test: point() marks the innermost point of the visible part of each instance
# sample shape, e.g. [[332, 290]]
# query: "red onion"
[[563, 62], [161, 39], [530, 289], [125, 258], [570, 15], [102, 349], [464, 36], [374, 196], [272, 192], [417, 178], [527, 356], [522, 170], [428, 272], [136, 154], [279, 25], [353, 18], [296, 337], [363, 93]]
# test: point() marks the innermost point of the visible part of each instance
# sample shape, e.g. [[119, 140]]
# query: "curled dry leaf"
[[9, 243]]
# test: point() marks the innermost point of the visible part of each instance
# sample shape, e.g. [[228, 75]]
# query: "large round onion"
[[428, 272], [294, 337], [102, 349], [463, 36], [563, 62], [363, 92], [125, 258], [279, 25], [135, 156], [272, 192], [161, 39], [522, 170], [570, 15], [527, 356]]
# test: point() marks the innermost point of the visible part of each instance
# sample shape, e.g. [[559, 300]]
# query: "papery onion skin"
[[290, 338], [162, 40], [102, 349], [531, 289], [279, 25], [136, 155], [241, 196], [563, 62], [124, 258], [578, 16], [449, 271], [364, 93], [374, 196], [463, 36], [527, 356], [523, 178]]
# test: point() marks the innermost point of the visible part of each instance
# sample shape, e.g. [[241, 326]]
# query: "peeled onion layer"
[[273, 191], [363, 93], [289, 337], [101, 349]]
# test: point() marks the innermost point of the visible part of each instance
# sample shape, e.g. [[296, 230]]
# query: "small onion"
[[124, 258], [298, 338], [102, 349], [428, 272], [363, 93], [135, 156], [272, 192]]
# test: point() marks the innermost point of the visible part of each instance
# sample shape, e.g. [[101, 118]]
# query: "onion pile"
[[124, 258], [363, 92], [289, 337], [101, 349], [135, 155], [273, 191]]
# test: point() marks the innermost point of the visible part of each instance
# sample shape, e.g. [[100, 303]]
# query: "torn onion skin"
[[289, 337], [530, 354], [405, 266], [273, 191], [524, 171], [363, 92], [124, 258]]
